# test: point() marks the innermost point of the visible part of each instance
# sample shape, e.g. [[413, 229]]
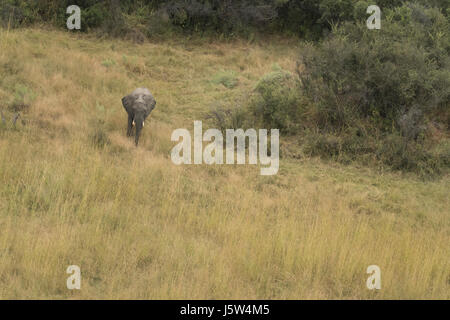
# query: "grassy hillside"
[[75, 190]]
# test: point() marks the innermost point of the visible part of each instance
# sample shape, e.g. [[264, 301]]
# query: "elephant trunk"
[[139, 121]]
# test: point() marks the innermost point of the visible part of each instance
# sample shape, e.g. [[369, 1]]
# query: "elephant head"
[[138, 105]]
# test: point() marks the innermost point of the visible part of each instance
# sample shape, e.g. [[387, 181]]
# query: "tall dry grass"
[[74, 189]]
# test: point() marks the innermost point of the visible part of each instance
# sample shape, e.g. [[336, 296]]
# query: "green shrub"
[[390, 151], [228, 79], [94, 16], [400, 154], [372, 92], [276, 102], [22, 99], [381, 74], [368, 95], [10, 16], [230, 118], [108, 63]]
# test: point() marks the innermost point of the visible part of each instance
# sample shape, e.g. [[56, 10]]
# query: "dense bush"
[[373, 96], [377, 91], [391, 150], [276, 102], [106, 15], [381, 75], [220, 16], [306, 18]]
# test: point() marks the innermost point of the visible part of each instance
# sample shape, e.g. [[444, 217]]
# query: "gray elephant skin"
[[138, 105]]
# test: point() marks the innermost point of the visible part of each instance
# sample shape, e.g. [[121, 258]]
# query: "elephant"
[[138, 105]]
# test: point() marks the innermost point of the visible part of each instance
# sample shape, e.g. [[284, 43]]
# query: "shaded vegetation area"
[[379, 97], [382, 93], [306, 18]]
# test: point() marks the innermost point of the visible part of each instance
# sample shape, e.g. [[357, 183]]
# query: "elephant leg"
[[130, 126]]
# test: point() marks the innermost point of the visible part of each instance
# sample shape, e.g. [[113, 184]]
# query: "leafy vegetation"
[[381, 92], [276, 100], [306, 18], [227, 78], [377, 97]]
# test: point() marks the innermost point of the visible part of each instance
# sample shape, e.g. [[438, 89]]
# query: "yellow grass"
[[140, 227]]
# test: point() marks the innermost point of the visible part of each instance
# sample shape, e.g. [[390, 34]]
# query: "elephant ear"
[[150, 102], [128, 102]]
